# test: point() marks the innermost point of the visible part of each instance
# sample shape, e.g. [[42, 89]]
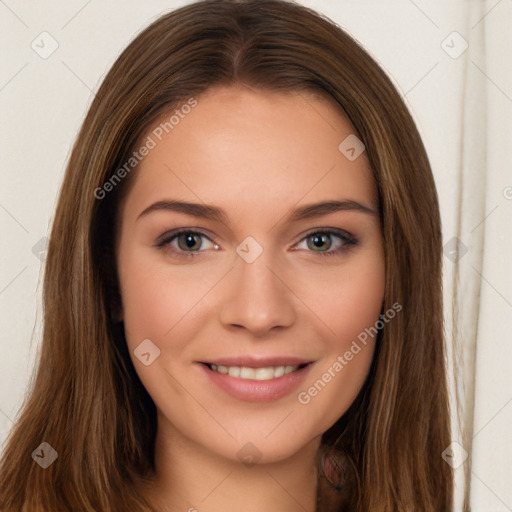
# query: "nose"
[[258, 298]]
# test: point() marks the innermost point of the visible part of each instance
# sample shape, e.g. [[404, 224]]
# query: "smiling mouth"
[[249, 373]]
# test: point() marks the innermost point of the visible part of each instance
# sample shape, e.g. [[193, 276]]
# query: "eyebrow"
[[217, 214]]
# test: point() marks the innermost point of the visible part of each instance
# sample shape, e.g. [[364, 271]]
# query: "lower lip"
[[251, 390]]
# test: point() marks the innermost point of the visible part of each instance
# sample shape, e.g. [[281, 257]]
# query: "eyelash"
[[347, 239]]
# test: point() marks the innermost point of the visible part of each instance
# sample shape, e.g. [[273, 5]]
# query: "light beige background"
[[461, 99]]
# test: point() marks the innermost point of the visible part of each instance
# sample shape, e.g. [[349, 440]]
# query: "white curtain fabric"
[[476, 203], [486, 298], [451, 59]]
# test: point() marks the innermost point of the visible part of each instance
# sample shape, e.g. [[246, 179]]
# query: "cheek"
[[155, 299], [162, 306], [359, 305], [348, 299], [350, 309], [147, 303]]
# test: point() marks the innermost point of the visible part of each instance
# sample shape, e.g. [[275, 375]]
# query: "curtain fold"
[[478, 283], [490, 488]]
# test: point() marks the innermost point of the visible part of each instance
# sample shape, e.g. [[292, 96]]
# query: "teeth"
[[234, 371], [245, 372], [279, 371]]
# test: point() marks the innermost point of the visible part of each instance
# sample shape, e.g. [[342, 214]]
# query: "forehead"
[[251, 150]]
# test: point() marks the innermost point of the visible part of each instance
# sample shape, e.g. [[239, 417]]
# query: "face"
[[250, 259]]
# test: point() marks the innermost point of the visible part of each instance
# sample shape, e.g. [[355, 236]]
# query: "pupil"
[[320, 240], [190, 241]]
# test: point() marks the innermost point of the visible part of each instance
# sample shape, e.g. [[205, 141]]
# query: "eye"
[[188, 243], [185, 241], [327, 241]]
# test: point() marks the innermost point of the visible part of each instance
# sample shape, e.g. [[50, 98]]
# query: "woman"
[[243, 284]]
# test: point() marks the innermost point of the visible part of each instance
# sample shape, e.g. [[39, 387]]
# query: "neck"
[[190, 478]]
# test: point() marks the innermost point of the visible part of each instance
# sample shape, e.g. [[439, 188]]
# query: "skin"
[[258, 155]]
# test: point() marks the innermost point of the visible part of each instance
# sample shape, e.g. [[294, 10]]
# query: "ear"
[[338, 481]]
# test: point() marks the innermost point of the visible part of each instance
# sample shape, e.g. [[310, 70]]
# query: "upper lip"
[[258, 361]]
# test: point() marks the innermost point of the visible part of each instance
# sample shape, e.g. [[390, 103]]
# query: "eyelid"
[[342, 233], [348, 239], [166, 238]]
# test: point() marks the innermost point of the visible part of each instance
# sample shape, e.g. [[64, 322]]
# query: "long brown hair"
[[86, 400]]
